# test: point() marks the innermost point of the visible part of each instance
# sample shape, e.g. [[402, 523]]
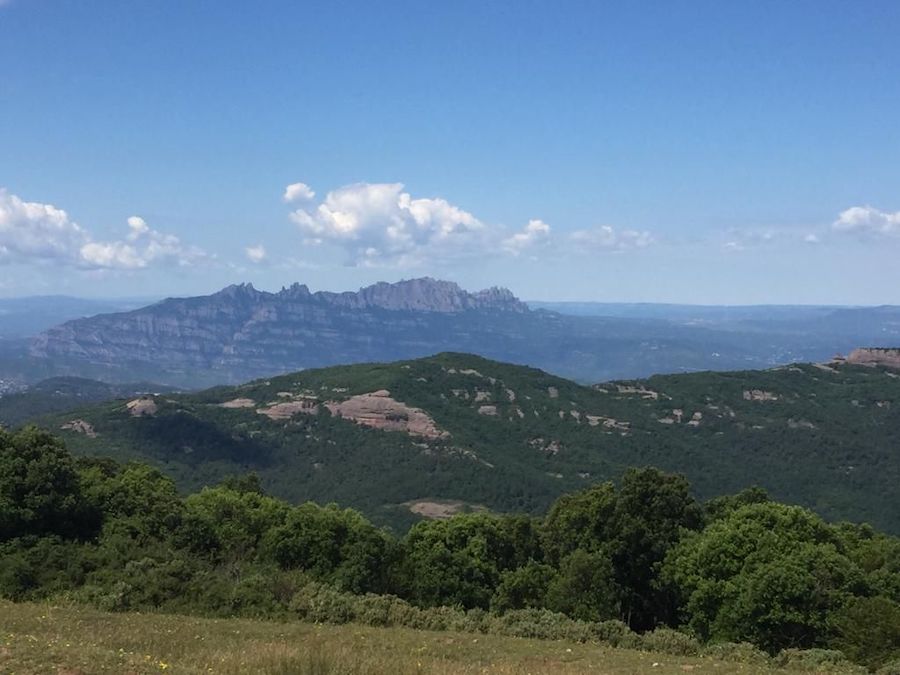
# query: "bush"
[[542, 624], [383, 610], [818, 660], [671, 642], [889, 668], [322, 604], [616, 633], [739, 652], [440, 618]]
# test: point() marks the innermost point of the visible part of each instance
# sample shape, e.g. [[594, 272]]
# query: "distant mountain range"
[[453, 431], [241, 333], [24, 317]]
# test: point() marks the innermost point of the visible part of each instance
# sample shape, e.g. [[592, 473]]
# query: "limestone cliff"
[[240, 332]]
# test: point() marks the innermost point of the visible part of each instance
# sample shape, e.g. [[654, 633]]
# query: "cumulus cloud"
[[380, 223], [298, 192], [31, 231], [606, 237], [867, 220], [812, 239], [535, 232], [138, 227], [256, 254]]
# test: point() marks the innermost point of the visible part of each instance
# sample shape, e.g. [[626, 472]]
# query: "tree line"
[[645, 552]]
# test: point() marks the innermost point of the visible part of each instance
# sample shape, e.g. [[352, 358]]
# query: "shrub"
[[384, 610], [818, 660], [542, 624], [441, 618], [671, 642], [889, 668], [322, 604], [739, 652], [616, 633]]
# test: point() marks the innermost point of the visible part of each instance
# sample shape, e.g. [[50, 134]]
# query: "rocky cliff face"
[[241, 332], [875, 356]]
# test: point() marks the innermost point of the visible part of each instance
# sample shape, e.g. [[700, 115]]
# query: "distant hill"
[[241, 333], [57, 394], [24, 317], [457, 431]]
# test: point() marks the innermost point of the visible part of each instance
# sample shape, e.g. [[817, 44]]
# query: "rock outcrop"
[[875, 356], [378, 410]]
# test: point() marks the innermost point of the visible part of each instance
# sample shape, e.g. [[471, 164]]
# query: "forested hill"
[[454, 431]]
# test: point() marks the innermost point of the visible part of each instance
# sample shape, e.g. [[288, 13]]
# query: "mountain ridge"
[[240, 333], [459, 428]]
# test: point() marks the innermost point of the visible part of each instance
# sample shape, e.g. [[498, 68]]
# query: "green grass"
[[45, 638]]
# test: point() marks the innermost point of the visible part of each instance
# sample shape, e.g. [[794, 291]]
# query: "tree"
[[634, 527], [867, 630], [768, 573], [40, 490], [228, 526], [333, 545], [459, 561], [585, 587], [523, 587]]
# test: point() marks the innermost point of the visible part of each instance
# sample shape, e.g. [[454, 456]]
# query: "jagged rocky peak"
[[422, 295], [295, 290], [433, 295], [239, 290]]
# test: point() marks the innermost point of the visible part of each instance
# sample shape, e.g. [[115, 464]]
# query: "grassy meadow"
[[66, 640]]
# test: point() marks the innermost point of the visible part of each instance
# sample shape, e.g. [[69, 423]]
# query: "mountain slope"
[[241, 333], [429, 433], [57, 394]]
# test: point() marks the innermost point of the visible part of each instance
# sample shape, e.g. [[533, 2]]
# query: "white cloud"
[[298, 192], [31, 231], [380, 224], [138, 227], [608, 238], [812, 239], [111, 255], [536, 231], [868, 220], [256, 254]]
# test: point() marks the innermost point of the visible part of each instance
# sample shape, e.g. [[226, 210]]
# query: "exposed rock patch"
[[240, 403], [378, 410], [759, 395], [142, 406], [641, 391], [441, 509], [552, 447], [874, 356], [287, 409], [490, 410], [607, 422], [80, 427]]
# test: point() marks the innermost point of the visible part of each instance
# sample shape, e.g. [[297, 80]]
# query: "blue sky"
[[707, 152]]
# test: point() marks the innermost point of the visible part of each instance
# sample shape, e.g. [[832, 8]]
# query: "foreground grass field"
[[42, 638]]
